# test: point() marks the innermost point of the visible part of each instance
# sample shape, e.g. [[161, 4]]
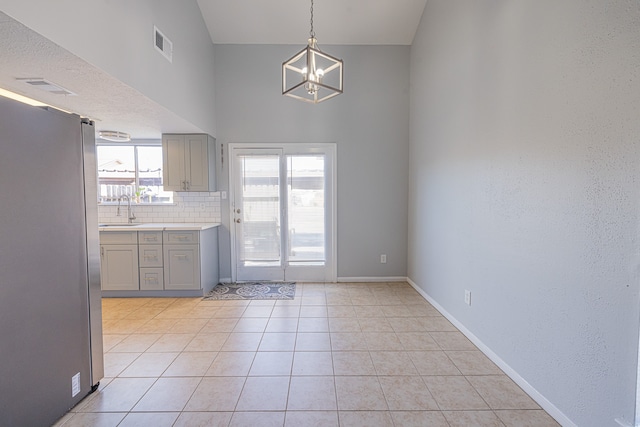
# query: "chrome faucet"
[[130, 215]]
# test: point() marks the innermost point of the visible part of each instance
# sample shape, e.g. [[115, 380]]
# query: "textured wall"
[[369, 124], [524, 165]]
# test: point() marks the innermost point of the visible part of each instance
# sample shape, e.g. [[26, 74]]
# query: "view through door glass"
[[306, 209], [258, 210], [281, 213]]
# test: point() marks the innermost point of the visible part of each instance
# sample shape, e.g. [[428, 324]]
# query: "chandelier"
[[312, 75]]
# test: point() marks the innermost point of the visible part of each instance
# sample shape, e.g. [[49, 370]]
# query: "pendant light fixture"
[[311, 75]]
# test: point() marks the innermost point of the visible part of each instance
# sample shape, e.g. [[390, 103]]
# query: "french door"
[[283, 212]]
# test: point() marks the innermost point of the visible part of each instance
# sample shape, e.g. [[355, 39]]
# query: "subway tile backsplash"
[[187, 207]]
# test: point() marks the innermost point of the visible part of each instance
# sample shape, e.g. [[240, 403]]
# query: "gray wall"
[[369, 123], [524, 189], [117, 37]]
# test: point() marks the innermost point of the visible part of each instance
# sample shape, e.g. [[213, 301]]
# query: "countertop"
[[157, 226]]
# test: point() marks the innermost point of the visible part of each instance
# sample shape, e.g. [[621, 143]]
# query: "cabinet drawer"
[[151, 279], [150, 255], [178, 237], [118, 237], [150, 237]]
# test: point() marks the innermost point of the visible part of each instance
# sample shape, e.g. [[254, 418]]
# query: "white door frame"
[[330, 150]]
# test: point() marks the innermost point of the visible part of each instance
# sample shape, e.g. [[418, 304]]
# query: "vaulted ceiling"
[[368, 22], [349, 22]]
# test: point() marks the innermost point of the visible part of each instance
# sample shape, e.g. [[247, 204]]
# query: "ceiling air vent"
[[47, 86], [162, 44]]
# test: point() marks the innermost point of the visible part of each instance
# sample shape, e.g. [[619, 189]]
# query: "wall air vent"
[[47, 86], [162, 44], [115, 136]]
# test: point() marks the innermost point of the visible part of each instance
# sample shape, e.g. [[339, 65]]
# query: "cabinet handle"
[[181, 256], [188, 184], [102, 252], [150, 257]]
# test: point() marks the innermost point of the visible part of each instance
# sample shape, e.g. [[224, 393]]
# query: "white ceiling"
[[116, 106], [369, 22]]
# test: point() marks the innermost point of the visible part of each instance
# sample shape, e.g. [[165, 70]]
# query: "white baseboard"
[[372, 279], [346, 279], [535, 395]]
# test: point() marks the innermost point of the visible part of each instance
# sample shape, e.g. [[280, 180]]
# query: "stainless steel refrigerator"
[[51, 352]]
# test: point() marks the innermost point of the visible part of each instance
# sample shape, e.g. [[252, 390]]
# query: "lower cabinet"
[[151, 260], [159, 262], [119, 261], [182, 267]]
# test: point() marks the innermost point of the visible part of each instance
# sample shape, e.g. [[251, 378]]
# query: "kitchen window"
[[133, 170]]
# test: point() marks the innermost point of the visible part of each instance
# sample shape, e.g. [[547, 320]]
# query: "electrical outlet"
[[383, 259], [223, 195], [202, 206], [467, 297]]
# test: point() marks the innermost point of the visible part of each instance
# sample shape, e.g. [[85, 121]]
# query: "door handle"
[[238, 220]]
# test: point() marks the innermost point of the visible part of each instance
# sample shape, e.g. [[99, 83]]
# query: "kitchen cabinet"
[[150, 260], [179, 260], [119, 261], [182, 260], [182, 269], [188, 162]]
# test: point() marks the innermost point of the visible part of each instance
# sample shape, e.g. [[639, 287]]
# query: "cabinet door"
[[197, 163], [181, 267], [173, 162], [119, 267]]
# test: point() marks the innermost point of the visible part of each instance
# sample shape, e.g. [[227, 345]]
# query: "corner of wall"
[[551, 409]]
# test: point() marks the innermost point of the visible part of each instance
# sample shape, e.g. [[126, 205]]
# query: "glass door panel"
[[306, 209], [257, 216]]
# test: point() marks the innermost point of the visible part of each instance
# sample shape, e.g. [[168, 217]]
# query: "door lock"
[[238, 210]]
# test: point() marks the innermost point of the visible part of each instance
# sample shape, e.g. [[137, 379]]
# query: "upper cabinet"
[[188, 162]]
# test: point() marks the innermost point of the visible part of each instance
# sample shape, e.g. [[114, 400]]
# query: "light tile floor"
[[356, 354]]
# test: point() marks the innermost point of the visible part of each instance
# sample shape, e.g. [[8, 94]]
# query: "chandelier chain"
[[312, 33]]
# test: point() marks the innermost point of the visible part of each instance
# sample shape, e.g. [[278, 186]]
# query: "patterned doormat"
[[253, 290]]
